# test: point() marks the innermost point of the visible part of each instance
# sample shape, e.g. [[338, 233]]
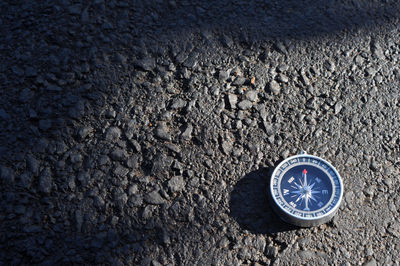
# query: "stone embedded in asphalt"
[[262, 111], [84, 132], [338, 108], [120, 198], [148, 213], [223, 243], [227, 41], [285, 154], [26, 179], [176, 183], [215, 90], [269, 128], [71, 183], [232, 100], [76, 158], [251, 95], [374, 166], [77, 111], [161, 164], [245, 104], [370, 71], [260, 243], [283, 78], [239, 81], [7, 174], [227, 146], [306, 254], [304, 79], [136, 145], [178, 103], [84, 178], [377, 50], [274, 87], [32, 164], [53, 88], [120, 171], [110, 113], [280, 47], [103, 160], [329, 65], [187, 133], [120, 58], [135, 200], [223, 75], [118, 154], [78, 220], [133, 161], [154, 198], [271, 251], [173, 147], [162, 131], [190, 62], [177, 166], [113, 134], [371, 262], [133, 189], [45, 181], [147, 64]]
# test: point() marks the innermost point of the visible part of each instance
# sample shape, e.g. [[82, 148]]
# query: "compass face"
[[306, 190]]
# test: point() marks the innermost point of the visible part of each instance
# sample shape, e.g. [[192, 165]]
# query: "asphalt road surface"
[[144, 132]]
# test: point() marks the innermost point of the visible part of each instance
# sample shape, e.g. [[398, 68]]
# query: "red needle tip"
[[304, 171]]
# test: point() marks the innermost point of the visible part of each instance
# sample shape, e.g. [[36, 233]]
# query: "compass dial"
[[306, 190]]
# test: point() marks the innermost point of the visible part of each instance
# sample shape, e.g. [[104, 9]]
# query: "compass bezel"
[[297, 219]]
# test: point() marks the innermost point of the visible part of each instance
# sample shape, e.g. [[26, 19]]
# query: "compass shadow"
[[250, 206]]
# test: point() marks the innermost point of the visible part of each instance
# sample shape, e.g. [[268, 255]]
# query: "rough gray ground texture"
[[143, 132]]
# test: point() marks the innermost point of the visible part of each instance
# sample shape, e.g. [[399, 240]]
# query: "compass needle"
[[305, 177]]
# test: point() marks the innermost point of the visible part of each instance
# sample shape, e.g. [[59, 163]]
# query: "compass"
[[305, 190]]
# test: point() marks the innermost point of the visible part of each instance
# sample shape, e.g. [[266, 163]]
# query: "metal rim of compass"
[[304, 221]]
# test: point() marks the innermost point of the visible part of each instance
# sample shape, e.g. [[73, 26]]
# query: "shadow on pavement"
[[250, 206], [263, 20]]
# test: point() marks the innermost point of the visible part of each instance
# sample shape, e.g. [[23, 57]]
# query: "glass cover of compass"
[[305, 190]]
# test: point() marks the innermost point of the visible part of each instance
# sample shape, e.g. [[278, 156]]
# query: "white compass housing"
[[305, 190]]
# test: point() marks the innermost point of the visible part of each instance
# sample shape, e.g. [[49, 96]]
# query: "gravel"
[[113, 134], [176, 183], [162, 131], [154, 198], [45, 181], [274, 87], [232, 100], [245, 104], [144, 133], [147, 64]]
